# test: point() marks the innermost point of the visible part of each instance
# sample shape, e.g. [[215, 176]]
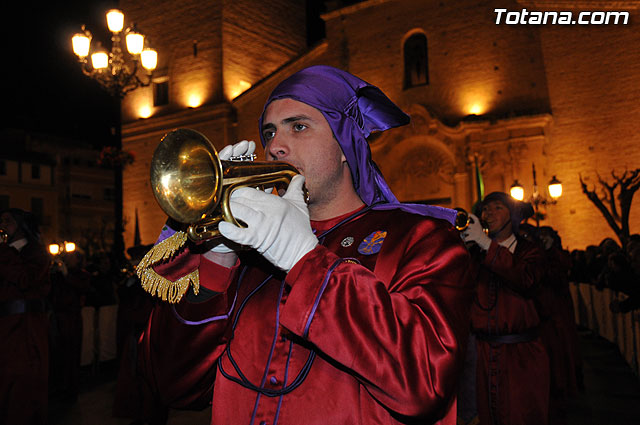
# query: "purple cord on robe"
[[353, 109]]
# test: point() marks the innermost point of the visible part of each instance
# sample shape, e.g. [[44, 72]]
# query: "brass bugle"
[[463, 219], [193, 185]]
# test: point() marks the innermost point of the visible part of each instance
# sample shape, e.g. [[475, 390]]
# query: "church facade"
[[498, 96]]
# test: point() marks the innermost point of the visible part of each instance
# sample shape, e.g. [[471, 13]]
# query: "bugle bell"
[[192, 184], [463, 219]]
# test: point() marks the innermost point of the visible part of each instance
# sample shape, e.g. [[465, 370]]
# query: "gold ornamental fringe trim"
[[164, 250], [158, 285], [162, 287]]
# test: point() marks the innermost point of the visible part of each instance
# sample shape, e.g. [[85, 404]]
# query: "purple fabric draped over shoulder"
[[353, 109]]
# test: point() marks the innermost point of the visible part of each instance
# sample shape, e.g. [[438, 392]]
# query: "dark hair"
[[26, 221]]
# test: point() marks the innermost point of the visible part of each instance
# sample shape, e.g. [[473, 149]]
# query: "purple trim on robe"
[[284, 384], [166, 232], [273, 347], [208, 319], [305, 333]]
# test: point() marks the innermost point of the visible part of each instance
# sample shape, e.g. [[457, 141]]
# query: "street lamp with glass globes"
[[111, 69], [118, 75], [554, 188]]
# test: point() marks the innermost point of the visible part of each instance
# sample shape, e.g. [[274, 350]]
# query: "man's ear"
[[342, 157]]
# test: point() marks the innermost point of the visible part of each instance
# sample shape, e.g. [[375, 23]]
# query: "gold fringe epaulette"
[[163, 250], [158, 285], [169, 291]]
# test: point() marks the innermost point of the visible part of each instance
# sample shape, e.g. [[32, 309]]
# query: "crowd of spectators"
[[609, 265], [78, 282]]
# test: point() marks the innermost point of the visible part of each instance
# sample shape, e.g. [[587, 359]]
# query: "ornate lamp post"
[[555, 191], [117, 74]]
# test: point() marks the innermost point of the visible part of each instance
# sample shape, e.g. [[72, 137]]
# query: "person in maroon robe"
[[559, 329], [70, 283], [133, 398], [24, 285], [351, 308], [512, 370]]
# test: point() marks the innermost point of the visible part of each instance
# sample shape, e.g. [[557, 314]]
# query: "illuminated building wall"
[[564, 97], [209, 52]]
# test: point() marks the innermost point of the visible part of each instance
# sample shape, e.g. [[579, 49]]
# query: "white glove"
[[278, 227], [244, 147], [474, 233]]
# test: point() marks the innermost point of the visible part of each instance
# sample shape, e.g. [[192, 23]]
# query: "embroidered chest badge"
[[347, 242], [372, 243]]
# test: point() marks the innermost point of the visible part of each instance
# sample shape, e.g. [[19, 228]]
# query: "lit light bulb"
[[194, 100], [135, 42], [475, 109], [149, 59], [517, 191], [81, 43], [555, 188], [100, 60], [115, 20], [144, 111]]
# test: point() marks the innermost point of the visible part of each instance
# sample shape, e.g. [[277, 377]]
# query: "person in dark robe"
[[512, 370], [70, 285], [24, 325]]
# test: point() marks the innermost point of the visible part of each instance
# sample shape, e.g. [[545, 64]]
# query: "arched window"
[[416, 64]]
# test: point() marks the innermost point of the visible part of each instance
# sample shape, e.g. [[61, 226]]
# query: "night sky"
[[43, 83]]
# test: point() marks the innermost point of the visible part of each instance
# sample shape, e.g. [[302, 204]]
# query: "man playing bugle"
[[351, 308]]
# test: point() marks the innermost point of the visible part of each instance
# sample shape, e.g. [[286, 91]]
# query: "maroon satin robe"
[[349, 335], [512, 378], [559, 333]]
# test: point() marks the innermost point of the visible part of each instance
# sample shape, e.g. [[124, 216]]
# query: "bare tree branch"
[[593, 197], [610, 196], [627, 183]]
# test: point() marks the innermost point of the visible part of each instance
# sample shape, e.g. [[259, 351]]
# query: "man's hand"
[[245, 147], [278, 227], [474, 233]]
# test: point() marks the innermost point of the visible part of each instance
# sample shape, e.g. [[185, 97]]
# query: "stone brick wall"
[[471, 60], [584, 77], [172, 28], [593, 74], [208, 49], [259, 37]]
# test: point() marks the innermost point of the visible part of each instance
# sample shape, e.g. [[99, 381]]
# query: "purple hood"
[[353, 109]]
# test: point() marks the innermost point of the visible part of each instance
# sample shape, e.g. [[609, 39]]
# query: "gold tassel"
[[169, 291], [164, 250], [158, 285]]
